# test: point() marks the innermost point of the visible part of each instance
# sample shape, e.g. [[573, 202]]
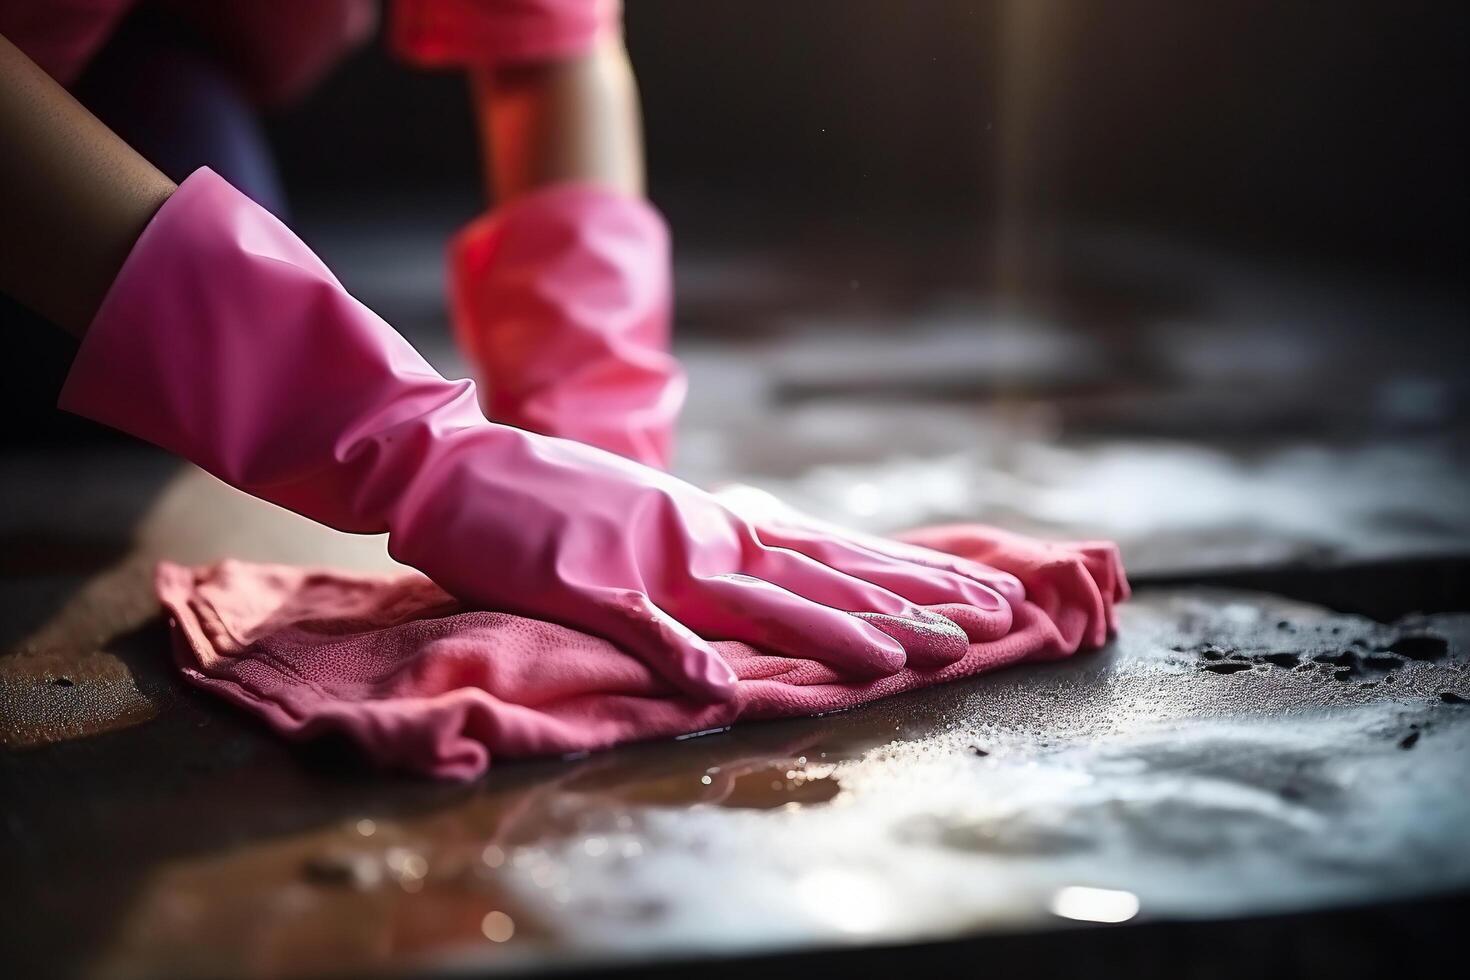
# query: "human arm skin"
[[73, 197], [560, 121]]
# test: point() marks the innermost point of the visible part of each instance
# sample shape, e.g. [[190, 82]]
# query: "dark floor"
[[1267, 767]]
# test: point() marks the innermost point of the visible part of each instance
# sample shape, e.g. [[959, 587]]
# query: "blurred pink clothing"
[[61, 36], [423, 684], [280, 48], [277, 49], [462, 33]]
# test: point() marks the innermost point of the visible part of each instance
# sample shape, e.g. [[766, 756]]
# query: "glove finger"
[[922, 633], [776, 620], [920, 585], [672, 649]]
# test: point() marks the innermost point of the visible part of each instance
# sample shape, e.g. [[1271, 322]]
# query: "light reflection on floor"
[[1133, 775], [1233, 753]]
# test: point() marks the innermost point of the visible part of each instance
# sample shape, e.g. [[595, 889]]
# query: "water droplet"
[[497, 927], [1085, 904]]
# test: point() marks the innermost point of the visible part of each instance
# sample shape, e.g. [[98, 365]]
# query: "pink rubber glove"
[[1078, 584], [787, 527], [225, 340], [561, 300]]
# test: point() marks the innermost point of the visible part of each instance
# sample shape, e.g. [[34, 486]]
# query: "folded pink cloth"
[[424, 684]]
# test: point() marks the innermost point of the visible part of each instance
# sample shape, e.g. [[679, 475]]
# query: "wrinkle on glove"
[[423, 684]]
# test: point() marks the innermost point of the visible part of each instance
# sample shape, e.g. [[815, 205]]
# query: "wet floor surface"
[[1281, 728]]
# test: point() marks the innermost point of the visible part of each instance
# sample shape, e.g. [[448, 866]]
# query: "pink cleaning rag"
[[422, 683]]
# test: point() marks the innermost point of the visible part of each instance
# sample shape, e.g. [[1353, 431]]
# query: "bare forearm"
[[564, 121], [73, 197]]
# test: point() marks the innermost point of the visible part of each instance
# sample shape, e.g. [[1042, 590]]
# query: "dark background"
[[1329, 131], [942, 148], [1241, 224]]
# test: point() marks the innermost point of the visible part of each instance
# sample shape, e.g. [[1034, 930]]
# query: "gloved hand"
[[225, 340], [560, 297], [561, 301], [1078, 584]]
